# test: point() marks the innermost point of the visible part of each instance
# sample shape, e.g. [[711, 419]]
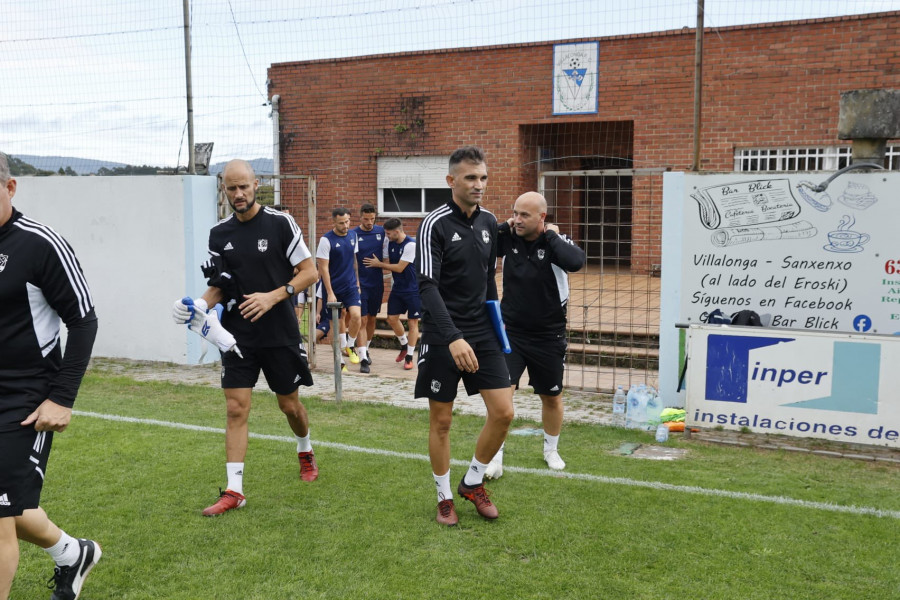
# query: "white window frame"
[[411, 172], [804, 158], [892, 157]]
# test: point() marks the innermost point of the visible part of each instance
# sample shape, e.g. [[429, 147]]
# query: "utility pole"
[[192, 168], [698, 86]]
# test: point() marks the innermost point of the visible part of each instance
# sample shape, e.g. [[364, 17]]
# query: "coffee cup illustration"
[[844, 239], [847, 240]]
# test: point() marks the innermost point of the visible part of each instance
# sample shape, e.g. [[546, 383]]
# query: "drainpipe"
[[276, 150]]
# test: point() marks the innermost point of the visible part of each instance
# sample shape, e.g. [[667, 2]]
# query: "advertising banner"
[[841, 387], [805, 259]]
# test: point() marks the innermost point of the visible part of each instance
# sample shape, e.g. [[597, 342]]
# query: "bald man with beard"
[[258, 261], [536, 260]]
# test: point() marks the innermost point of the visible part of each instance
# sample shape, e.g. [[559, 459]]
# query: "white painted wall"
[[140, 241]]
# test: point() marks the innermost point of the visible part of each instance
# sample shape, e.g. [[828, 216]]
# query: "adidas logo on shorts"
[[4, 500]]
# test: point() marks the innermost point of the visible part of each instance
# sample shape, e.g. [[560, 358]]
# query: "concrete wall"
[[140, 241]]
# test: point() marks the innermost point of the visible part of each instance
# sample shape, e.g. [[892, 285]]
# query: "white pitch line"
[[655, 485]]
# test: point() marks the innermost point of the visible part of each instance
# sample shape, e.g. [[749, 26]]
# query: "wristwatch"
[[289, 289]]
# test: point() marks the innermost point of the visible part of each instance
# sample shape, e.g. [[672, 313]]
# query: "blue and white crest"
[[262, 245], [485, 236]]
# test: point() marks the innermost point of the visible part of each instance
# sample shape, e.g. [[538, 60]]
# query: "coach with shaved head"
[[258, 261], [536, 259]]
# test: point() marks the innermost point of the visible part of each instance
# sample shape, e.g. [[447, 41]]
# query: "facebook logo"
[[862, 323]]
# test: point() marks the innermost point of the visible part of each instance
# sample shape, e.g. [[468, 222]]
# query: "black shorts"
[[22, 468], [284, 367], [405, 302], [438, 377], [544, 356], [370, 300]]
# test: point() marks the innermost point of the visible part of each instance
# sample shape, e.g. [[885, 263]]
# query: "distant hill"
[[82, 166], [87, 166]]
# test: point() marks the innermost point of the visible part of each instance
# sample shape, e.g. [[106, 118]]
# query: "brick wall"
[[764, 85]]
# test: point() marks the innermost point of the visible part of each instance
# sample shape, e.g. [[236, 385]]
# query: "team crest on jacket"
[[435, 386], [541, 254], [3, 259], [485, 236], [262, 245]]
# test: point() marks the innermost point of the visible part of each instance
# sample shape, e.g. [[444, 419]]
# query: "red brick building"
[[770, 91]]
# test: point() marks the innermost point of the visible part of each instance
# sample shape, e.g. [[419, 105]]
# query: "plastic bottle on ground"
[[636, 407], [654, 408], [662, 433], [618, 407]]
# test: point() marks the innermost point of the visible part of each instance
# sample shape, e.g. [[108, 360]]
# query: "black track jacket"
[[455, 266], [535, 284], [41, 282]]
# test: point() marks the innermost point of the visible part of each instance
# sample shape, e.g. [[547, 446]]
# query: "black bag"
[[746, 317]]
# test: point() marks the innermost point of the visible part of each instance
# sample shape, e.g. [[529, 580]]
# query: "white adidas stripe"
[[656, 485]]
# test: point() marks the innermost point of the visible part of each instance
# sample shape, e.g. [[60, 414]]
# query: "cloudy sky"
[[105, 79]]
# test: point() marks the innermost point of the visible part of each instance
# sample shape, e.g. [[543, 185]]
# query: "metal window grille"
[[824, 158]]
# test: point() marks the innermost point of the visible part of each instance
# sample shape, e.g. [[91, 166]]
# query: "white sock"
[[351, 342], [363, 352], [550, 442], [499, 456], [442, 482], [66, 551], [475, 475], [235, 473], [410, 350], [344, 342], [303, 443], [403, 339]]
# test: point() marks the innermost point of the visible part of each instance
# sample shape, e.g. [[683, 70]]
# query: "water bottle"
[[636, 408], [618, 408], [662, 433], [654, 408]]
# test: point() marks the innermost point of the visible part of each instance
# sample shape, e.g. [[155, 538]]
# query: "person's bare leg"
[[440, 416], [552, 413], [35, 527], [552, 418], [293, 409], [9, 555], [500, 414], [237, 402]]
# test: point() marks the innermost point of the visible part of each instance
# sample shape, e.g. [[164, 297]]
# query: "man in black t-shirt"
[[252, 272]]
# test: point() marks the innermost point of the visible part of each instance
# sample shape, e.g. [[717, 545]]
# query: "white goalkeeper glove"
[[185, 309], [210, 329], [205, 323]]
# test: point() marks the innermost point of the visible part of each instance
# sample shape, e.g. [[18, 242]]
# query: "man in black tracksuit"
[[536, 259], [455, 268], [41, 284]]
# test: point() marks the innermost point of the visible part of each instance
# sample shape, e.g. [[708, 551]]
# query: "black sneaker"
[[67, 581], [364, 365]]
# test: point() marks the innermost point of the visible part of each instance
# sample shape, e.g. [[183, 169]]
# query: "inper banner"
[[841, 387]]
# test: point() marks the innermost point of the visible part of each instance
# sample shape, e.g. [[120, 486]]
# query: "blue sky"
[[105, 79]]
